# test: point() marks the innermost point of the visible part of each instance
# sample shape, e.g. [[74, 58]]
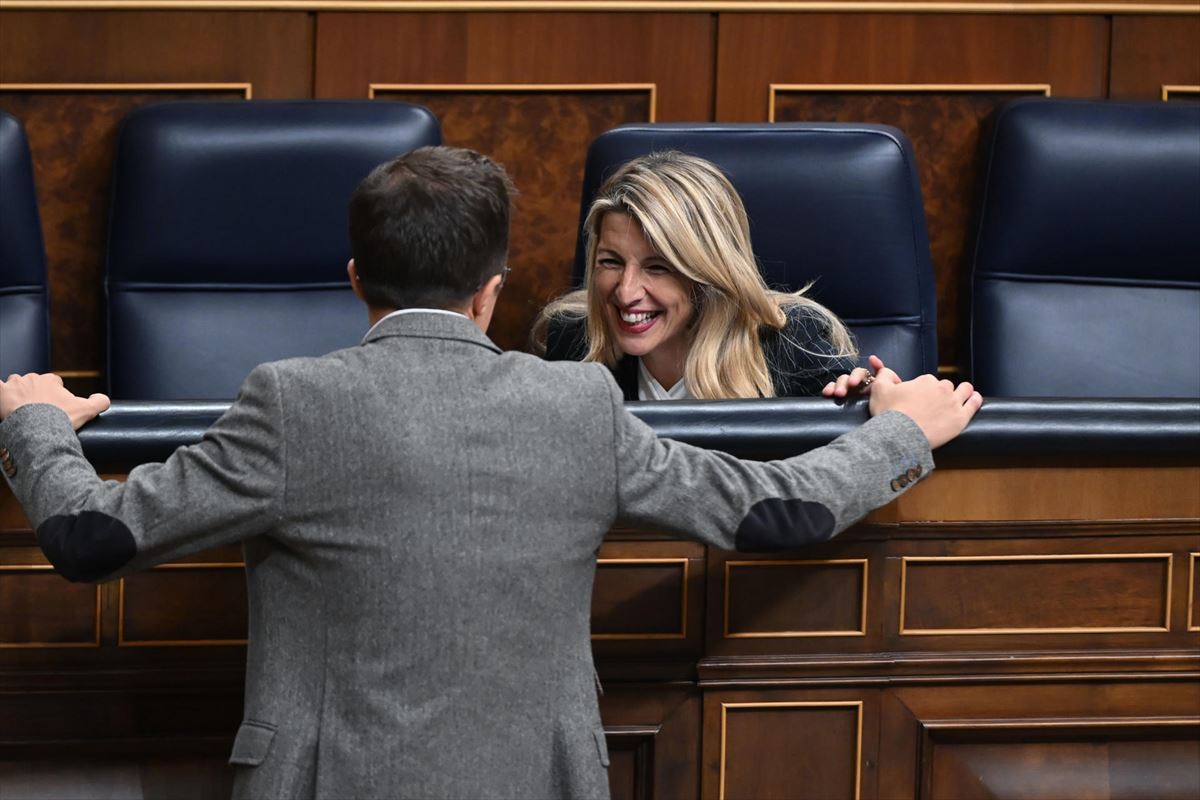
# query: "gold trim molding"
[[1193, 624], [915, 88], [906, 560], [650, 6], [450, 88], [52, 645], [862, 625], [857, 705], [1169, 89], [683, 599], [178, 565]]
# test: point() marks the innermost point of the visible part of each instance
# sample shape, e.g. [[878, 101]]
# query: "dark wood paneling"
[[72, 136], [794, 598], [540, 137], [977, 54], [653, 741], [1109, 763], [1148, 52], [184, 604], [72, 132], [41, 609], [1025, 593], [640, 598]]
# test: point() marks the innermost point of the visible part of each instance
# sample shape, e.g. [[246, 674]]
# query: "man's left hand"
[[21, 390]]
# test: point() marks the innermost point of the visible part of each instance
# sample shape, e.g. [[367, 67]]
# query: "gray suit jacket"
[[420, 516]]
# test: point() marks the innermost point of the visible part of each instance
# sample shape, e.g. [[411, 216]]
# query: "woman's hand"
[[859, 380]]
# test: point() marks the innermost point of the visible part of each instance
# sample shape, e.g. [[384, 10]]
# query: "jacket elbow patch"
[[86, 546], [776, 524]]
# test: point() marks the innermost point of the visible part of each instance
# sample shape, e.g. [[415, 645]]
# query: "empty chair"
[[1086, 264], [838, 204], [227, 239], [24, 309]]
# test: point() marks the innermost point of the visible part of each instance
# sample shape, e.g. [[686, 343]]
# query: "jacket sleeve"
[[226, 488], [764, 506]]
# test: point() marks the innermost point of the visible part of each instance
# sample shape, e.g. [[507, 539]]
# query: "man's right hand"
[[940, 409], [20, 390]]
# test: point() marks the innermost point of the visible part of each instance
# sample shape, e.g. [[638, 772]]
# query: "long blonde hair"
[[693, 218]]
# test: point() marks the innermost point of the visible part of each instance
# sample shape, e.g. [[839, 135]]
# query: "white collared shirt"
[[651, 389], [400, 311]]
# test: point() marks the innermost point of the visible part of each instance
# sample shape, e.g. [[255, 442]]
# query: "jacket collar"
[[423, 325]]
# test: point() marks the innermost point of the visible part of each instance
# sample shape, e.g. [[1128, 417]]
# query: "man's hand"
[[858, 380], [939, 409], [21, 390]]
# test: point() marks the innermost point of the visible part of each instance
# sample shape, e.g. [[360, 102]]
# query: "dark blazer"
[[800, 357]]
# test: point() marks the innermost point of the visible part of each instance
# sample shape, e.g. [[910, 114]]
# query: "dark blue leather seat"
[[228, 242], [1086, 263], [836, 203], [24, 307]]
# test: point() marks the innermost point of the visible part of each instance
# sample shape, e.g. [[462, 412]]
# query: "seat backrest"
[[838, 204], [228, 239], [1085, 270], [24, 306]]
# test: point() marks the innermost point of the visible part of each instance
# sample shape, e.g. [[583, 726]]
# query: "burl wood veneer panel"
[[43, 610], [72, 132], [184, 604], [540, 136], [72, 137], [1051, 593], [972, 57], [1150, 52]]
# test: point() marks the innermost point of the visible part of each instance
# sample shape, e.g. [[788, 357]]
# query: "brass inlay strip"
[[683, 599], [905, 560], [123, 642], [245, 88], [707, 6], [1168, 90], [1192, 623], [857, 705], [862, 629], [866, 88], [650, 88], [51, 645]]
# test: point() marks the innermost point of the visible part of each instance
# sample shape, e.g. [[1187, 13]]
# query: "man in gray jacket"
[[421, 514]]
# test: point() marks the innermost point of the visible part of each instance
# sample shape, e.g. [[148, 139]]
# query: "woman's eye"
[[657, 269], [609, 263]]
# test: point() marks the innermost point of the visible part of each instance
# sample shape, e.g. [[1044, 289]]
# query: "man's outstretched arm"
[[757, 506], [226, 488]]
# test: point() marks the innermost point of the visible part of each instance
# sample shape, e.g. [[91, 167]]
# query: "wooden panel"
[[1112, 762], [1193, 599], [72, 136], [1047, 594], [541, 137], [782, 599], [40, 609], [184, 604], [944, 125], [1150, 52], [768, 749], [1030, 493], [640, 599], [71, 133], [975, 52], [653, 738]]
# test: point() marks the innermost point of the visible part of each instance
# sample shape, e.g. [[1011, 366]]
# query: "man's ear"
[[483, 302], [355, 281]]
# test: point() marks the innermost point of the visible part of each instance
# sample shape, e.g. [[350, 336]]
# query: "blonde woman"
[[673, 301]]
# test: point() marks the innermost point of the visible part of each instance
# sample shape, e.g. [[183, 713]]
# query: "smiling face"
[[647, 303]]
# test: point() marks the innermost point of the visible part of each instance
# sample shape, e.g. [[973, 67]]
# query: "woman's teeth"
[[641, 316]]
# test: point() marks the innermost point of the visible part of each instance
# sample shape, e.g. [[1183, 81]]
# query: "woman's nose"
[[630, 289]]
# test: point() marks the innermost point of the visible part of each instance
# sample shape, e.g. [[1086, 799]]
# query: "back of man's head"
[[429, 228]]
